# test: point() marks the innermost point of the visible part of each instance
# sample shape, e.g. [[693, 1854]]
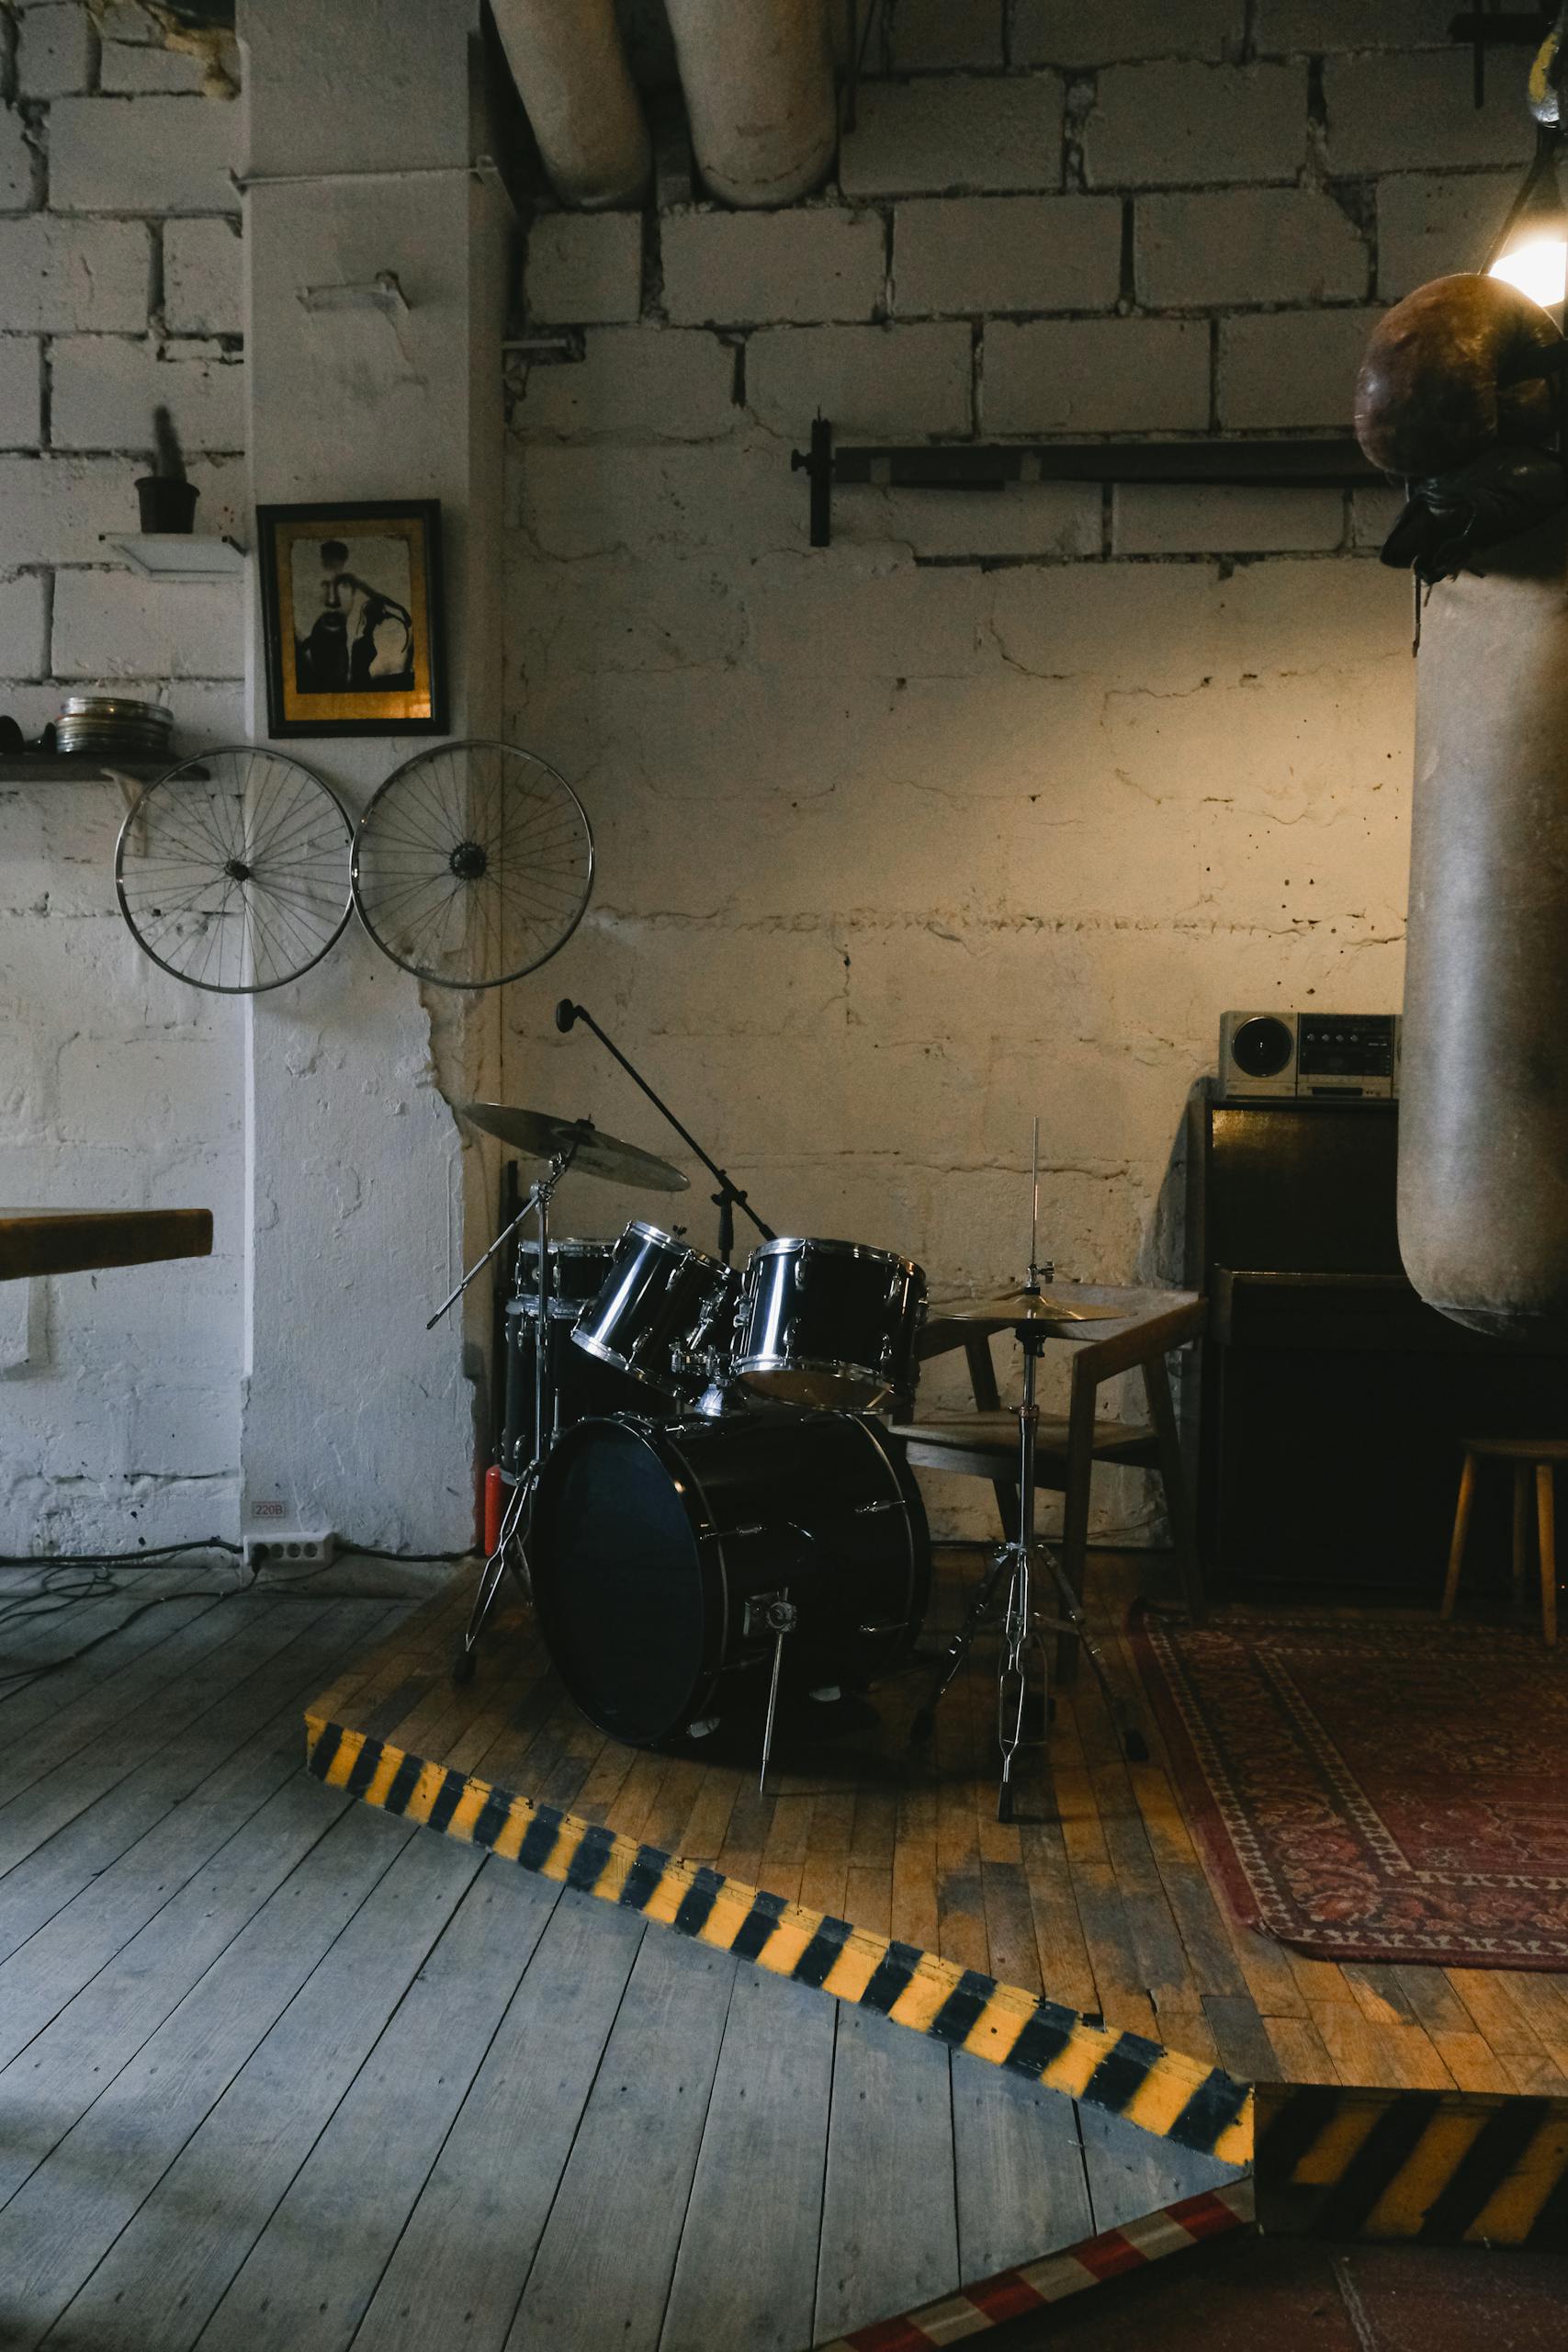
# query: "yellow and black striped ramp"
[[1177, 2098], [1439, 2167]]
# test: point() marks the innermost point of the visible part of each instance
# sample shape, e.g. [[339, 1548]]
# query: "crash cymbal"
[[538, 1135], [1016, 1307]]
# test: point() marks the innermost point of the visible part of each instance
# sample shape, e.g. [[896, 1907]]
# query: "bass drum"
[[647, 1542]]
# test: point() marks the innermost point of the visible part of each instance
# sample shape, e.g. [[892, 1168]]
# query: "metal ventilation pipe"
[[571, 69], [757, 76]]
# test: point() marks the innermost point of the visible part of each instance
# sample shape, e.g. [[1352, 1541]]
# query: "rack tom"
[[660, 1305], [828, 1323]]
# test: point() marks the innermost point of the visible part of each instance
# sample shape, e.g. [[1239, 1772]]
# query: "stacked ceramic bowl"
[[108, 727]]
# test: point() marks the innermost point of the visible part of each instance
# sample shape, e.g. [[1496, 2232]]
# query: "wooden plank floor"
[[1095, 1897], [279, 2070]]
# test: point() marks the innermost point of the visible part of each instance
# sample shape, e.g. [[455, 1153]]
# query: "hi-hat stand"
[[1024, 1627], [511, 1545]]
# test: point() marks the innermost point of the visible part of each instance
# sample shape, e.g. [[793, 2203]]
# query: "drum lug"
[[768, 1613]]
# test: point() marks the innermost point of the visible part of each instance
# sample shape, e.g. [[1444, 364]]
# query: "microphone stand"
[[729, 1197]]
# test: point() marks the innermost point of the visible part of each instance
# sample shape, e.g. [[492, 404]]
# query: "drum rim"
[[783, 1242], [570, 1246], [834, 1366], [681, 1248], [597, 1348]]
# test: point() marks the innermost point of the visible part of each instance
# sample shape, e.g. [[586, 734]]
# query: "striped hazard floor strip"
[[1176, 2098], [1437, 2167], [1015, 2293]]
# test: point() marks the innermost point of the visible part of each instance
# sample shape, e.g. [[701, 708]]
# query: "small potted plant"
[[167, 500]]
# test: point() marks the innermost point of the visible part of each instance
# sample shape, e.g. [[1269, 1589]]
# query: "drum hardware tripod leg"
[[544, 1427], [509, 1548]]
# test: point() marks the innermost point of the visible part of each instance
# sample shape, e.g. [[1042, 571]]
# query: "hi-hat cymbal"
[[538, 1135], [1016, 1307]]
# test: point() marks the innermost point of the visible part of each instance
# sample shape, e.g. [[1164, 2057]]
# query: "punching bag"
[[1454, 396], [1484, 1089]]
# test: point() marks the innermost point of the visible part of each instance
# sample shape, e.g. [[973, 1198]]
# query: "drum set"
[[705, 1508]]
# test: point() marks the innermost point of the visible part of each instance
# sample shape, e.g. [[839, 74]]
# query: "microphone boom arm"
[[729, 1197]]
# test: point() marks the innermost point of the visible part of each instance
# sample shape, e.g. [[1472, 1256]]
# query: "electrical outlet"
[[290, 1553]]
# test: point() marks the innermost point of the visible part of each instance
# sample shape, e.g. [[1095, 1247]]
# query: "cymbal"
[[1016, 1307], [538, 1135]]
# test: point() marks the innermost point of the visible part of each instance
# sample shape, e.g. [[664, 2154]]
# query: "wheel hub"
[[469, 861]]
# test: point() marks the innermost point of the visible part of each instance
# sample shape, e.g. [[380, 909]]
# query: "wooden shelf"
[[76, 768]]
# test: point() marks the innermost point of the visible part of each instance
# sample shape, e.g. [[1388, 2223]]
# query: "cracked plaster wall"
[[990, 810], [120, 286]]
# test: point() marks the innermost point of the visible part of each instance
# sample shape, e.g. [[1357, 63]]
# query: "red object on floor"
[[1014, 2295], [495, 1504], [1368, 1790]]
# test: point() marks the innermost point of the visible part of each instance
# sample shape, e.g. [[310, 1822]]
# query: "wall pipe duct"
[[761, 98], [569, 65]]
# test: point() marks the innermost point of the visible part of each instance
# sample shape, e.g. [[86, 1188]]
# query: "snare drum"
[[661, 1302], [828, 1323]]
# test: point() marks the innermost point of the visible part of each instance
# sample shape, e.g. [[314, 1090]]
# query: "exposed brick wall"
[[119, 290], [993, 808]]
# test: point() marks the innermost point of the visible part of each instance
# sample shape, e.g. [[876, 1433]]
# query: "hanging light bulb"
[[1531, 248]]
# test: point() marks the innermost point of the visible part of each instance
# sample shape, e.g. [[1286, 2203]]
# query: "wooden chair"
[[983, 1443], [1526, 1454]]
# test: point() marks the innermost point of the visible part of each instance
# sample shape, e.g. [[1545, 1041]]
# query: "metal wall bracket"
[[991, 465]]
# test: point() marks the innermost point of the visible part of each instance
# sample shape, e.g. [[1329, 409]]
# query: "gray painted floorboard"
[[288, 2073]]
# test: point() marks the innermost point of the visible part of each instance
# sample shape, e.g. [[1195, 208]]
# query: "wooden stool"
[[1539, 1454]]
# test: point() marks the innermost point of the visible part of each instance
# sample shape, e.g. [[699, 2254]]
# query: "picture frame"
[[353, 619]]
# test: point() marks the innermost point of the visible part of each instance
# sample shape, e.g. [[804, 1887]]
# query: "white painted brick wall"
[[23, 628], [56, 275], [1095, 376], [1103, 32], [644, 383], [746, 269], [143, 154], [1149, 520], [202, 292], [971, 255], [121, 1419], [20, 170], [584, 268], [1309, 27], [104, 389], [56, 50], [21, 392], [872, 381], [1289, 368], [963, 135], [923, 34], [133, 68], [1248, 245], [168, 629], [1401, 114], [1427, 226], [1178, 123]]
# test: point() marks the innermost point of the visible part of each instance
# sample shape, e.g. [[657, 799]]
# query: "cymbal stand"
[[511, 1545], [1024, 1626]]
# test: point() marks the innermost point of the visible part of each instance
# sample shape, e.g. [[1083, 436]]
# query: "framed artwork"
[[351, 602]]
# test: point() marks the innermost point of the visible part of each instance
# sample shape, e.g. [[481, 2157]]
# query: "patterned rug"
[[1368, 1790]]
